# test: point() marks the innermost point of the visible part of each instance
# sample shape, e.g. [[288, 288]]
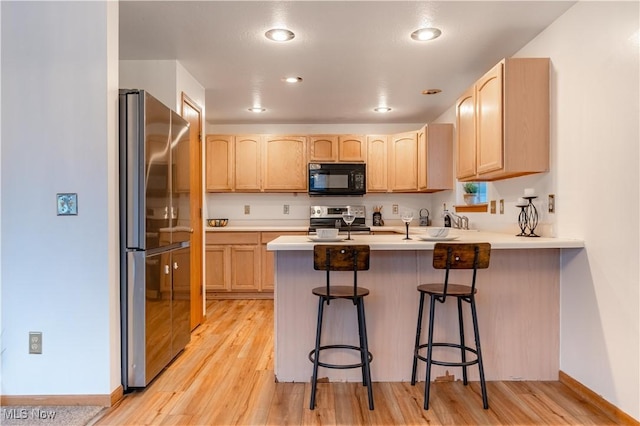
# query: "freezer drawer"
[[157, 312]]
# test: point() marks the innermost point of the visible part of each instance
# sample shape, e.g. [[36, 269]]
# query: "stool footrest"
[[339, 366], [447, 363]]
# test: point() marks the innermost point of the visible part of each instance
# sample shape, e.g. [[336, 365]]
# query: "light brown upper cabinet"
[[435, 157], [503, 122], [323, 148], [377, 163], [466, 134], [403, 162], [352, 148], [285, 163], [219, 163], [233, 163], [332, 148], [248, 163]]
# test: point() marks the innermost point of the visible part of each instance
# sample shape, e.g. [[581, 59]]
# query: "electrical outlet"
[[247, 209], [394, 209], [501, 206], [552, 203], [285, 209], [35, 342], [493, 206]]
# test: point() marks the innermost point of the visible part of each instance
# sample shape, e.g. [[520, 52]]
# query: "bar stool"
[[342, 258], [449, 256]]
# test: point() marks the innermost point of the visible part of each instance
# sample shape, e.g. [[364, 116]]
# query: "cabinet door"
[[377, 163], [489, 121], [352, 148], [466, 135], [248, 164], [285, 163], [268, 259], [422, 158], [323, 148], [403, 162], [219, 163], [268, 269], [438, 139], [217, 261], [245, 267]]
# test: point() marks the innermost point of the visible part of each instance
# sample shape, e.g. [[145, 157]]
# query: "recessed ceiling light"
[[279, 34], [431, 91], [382, 109], [292, 79], [257, 109], [424, 34]]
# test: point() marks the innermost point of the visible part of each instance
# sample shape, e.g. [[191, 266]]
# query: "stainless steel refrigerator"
[[155, 230]]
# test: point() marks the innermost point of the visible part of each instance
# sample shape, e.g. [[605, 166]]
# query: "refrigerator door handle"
[[135, 171]]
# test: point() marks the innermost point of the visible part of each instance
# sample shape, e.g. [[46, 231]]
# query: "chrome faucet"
[[457, 221]]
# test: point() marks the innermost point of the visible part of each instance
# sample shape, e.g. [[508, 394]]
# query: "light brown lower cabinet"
[[238, 264]]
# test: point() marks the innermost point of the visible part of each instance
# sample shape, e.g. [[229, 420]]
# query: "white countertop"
[[396, 242]]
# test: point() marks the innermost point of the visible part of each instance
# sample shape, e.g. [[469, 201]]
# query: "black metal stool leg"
[[476, 332], [416, 346], [360, 336], [365, 352], [427, 383], [462, 347], [314, 377]]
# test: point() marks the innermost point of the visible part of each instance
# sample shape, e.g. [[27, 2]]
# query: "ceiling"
[[352, 55]]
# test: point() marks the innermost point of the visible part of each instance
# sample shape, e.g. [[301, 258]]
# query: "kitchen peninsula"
[[518, 307]]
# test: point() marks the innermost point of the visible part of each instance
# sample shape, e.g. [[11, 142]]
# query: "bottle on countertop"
[[447, 218]]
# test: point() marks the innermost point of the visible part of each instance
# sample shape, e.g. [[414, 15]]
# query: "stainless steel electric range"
[[331, 217]]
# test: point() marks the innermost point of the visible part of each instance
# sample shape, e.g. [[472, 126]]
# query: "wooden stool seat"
[[452, 289], [452, 256], [342, 258], [340, 292]]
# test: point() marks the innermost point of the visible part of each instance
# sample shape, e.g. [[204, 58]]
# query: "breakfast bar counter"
[[518, 307]]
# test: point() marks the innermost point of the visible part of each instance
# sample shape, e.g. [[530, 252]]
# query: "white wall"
[[595, 132], [164, 79], [59, 273], [156, 77]]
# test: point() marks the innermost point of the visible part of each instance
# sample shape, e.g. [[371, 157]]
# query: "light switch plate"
[[493, 206], [67, 204]]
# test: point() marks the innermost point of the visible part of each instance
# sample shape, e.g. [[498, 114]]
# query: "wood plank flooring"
[[225, 377]]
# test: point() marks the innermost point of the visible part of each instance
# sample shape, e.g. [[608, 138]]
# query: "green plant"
[[470, 188]]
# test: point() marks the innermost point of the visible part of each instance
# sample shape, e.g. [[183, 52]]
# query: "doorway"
[[193, 114]]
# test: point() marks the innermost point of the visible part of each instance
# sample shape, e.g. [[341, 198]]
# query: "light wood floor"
[[225, 377]]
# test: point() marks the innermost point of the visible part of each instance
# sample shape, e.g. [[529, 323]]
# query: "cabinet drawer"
[[232, 238]]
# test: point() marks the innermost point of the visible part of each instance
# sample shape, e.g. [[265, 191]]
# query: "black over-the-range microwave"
[[337, 179]]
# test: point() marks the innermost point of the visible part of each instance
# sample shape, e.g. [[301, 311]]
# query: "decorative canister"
[[377, 219]]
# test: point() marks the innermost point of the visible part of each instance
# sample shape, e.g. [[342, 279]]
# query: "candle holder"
[[532, 217], [528, 218], [522, 221]]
